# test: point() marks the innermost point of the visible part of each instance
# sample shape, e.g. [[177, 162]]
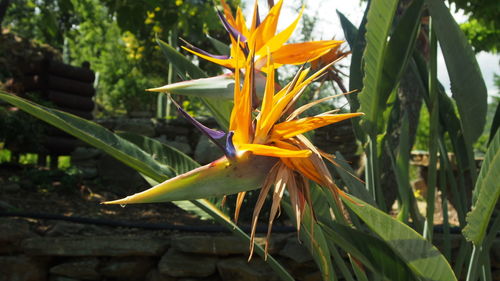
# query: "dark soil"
[[35, 190]]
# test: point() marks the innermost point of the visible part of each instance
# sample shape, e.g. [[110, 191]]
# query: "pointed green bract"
[[217, 87], [221, 87], [218, 178]]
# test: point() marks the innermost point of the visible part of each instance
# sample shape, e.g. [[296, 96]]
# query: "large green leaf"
[[315, 241], [183, 67], [495, 124], [353, 184], [486, 194], [400, 47], [467, 84], [131, 155], [371, 98], [371, 251], [164, 154], [95, 135], [419, 254], [356, 41]]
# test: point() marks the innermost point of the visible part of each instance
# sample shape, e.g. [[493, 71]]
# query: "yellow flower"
[[260, 38]]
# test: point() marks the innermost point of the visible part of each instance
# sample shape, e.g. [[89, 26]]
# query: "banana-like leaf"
[[222, 48], [218, 178], [183, 67], [400, 47], [371, 98], [220, 108], [162, 153], [467, 84], [132, 156], [495, 124], [356, 41], [371, 251], [354, 185], [315, 241], [95, 135], [486, 194], [420, 255]]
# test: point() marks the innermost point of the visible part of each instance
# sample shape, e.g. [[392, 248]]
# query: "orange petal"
[[300, 53], [267, 28], [273, 151], [278, 40], [290, 129]]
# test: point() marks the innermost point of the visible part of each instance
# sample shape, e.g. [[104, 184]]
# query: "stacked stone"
[[68, 88], [70, 254], [338, 137]]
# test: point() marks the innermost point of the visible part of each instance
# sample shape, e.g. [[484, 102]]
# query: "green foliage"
[[486, 194], [482, 28], [135, 157]]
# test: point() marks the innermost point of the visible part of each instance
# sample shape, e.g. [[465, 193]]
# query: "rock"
[[211, 245], [155, 275], [88, 173], [84, 153], [181, 146], [12, 232], [63, 228], [206, 151], [21, 268], [142, 126], [496, 275], [11, 187], [114, 173], [241, 270], [61, 278], [220, 245], [295, 251], [85, 269], [6, 206], [177, 264], [115, 246], [130, 268], [169, 130], [107, 123]]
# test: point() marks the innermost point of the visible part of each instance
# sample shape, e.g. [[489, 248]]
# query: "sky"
[[328, 26]]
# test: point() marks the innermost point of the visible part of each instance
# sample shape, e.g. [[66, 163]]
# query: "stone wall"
[[182, 135], [71, 253]]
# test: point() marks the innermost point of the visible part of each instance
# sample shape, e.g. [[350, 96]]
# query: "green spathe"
[[221, 177]]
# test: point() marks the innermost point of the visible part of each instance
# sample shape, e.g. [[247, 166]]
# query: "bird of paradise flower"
[[262, 37], [264, 148]]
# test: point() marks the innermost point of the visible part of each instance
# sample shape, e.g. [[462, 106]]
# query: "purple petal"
[[230, 149], [196, 49], [257, 22], [211, 133], [230, 29]]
